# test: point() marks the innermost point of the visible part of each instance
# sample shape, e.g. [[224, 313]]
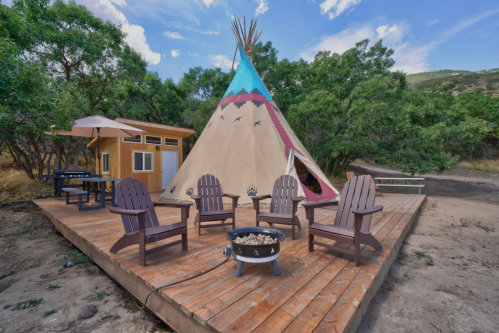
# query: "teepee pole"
[[247, 38], [233, 61]]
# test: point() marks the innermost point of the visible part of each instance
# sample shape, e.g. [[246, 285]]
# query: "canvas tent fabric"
[[247, 144]]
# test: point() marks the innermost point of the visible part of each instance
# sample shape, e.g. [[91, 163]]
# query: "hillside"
[[486, 81]]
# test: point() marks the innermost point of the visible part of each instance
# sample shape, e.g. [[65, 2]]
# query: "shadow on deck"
[[320, 291]]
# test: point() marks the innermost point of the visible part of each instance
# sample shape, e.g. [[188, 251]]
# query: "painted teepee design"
[[248, 144]]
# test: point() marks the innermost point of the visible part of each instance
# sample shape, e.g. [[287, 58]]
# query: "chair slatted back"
[[350, 175], [132, 194], [358, 193], [210, 190], [285, 188]]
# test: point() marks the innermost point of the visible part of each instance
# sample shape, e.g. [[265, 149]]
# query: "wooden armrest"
[[319, 204], [297, 199], [196, 198], [368, 211], [130, 212], [233, 196], [261, 197], [172, 204]]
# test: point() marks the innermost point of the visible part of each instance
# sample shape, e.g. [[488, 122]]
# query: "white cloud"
[[175, 53], [136, 38], [463, 24], [408, 57], [429, 24], [121, 3], [386, 30], [192, 54], [173, 35], [221, 60], [179, 25], [208, 2], [263, 6], [333, 8], [163, 55], [340, 42]]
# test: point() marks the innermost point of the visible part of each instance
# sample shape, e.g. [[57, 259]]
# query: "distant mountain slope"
[[419, 77], [458, 81]]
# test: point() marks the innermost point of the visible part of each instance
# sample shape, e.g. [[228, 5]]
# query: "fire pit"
[[255, 245]]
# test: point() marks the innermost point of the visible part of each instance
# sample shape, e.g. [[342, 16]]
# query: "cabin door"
[[169, 166]]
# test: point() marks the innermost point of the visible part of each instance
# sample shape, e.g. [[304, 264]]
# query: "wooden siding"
[[121, 159]]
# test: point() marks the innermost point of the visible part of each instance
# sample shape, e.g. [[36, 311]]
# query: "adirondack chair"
[[141, 222], [350, 175], [353, 218], [210, 205], [283, 205]]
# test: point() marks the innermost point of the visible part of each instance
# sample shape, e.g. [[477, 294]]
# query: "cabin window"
[[136, 139], [105, 163], [153, 140], [143, 161], [171, 142]]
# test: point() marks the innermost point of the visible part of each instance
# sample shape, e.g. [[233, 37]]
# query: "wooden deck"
[[320, 291]]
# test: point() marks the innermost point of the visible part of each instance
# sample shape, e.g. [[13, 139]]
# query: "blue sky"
[[175, 35]]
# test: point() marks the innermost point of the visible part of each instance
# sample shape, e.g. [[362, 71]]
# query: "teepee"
[[248, 144]]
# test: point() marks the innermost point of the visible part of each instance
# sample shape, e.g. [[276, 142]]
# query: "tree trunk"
[[57, 160], [27, 166], [38, 154]]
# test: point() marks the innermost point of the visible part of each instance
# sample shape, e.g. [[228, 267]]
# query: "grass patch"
[[427, 258], [6, 306], [53, 287], [71, 255], [25, 229], [484, 227], [100, 295], [31, 303], [48, 313], [487, 165], [16, 186], [464, 223]]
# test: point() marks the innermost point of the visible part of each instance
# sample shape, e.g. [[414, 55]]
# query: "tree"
[[31, 102], [282, 78], [355, 107]]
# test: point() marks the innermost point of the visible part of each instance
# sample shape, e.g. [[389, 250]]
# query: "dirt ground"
[[460, 182], [32, 254], [446, 278]]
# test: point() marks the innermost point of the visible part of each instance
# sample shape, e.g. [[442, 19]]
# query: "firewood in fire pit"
[[255, 239]]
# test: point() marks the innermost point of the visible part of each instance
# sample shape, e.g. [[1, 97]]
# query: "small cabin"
[[152, 157]]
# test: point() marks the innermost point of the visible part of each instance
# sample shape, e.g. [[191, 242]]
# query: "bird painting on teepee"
[[255, 146]]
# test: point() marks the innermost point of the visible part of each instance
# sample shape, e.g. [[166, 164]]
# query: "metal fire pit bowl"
[[254, 253]]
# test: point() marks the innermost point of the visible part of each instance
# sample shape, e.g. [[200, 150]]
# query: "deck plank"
[[320, 291]]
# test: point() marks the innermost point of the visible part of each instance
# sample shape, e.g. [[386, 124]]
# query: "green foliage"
[[48, 313], [342, 107], [355, 107], [419, 77], [53, 287], [100, 295], [72, 255], [31, 303], [427, 258]]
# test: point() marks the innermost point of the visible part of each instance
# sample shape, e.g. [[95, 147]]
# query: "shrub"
[[490, 86]]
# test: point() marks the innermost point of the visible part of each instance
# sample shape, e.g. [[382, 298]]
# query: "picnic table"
[[389, 182], [99, 191]]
